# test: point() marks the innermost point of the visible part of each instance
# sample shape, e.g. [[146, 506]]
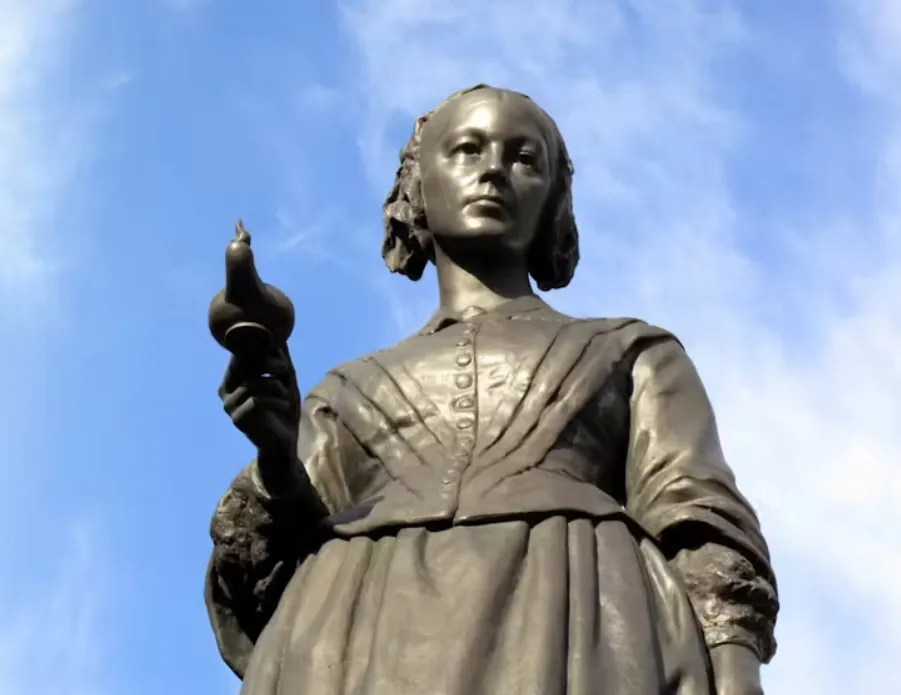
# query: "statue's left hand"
[[736, 670]]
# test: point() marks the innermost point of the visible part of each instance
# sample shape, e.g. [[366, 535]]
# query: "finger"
[[278, 364], [267, 430], [255, 415], [242, 369], [243, 394], [261, 387], [270, 387], [238, 370], [281, 370]]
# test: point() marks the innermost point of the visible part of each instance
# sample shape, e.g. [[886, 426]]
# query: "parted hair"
[[407, 244]]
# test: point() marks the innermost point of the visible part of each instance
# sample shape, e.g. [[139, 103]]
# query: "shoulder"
[[630, 328], [357, 372], [640, 350], [632, 333], [622, 340]]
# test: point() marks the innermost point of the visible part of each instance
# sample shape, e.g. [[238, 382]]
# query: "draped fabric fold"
[[521, 502]]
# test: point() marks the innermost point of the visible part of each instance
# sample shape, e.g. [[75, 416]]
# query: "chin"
[[481, 234], [488, 227]]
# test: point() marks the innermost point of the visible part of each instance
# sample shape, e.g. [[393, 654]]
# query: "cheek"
[[439, 194], [431, 199], [534, 207], [536, 195]]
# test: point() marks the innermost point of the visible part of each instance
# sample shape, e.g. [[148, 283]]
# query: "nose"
[[493, 162]]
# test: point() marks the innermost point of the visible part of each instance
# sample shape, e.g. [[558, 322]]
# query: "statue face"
[[486, 163]]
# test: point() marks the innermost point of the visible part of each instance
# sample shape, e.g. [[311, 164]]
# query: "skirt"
[[555, 607]]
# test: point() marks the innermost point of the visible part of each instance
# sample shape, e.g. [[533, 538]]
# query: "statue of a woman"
[[509, 501]]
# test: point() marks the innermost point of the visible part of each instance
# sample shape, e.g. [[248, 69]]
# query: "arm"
[[680, 488], [259, 538]]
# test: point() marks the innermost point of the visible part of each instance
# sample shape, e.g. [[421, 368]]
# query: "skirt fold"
[[557, 607]]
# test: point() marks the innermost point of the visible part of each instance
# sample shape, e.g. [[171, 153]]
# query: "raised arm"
[[679, 487]]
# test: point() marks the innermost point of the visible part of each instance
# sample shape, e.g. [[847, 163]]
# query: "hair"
[[407, 245]]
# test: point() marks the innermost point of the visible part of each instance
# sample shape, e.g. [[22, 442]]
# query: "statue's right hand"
[[260, 395]]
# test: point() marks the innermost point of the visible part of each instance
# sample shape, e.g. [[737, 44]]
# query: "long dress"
[[520, 502]]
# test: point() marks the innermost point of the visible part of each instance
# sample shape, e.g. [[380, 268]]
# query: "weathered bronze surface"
[[509, 501]]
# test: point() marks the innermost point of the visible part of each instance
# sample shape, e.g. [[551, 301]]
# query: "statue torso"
[[513, 411]]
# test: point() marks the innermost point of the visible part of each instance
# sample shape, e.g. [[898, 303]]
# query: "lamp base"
[[248, 339]]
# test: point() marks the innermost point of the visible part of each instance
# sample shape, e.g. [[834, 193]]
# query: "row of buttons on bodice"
[[464, 405]]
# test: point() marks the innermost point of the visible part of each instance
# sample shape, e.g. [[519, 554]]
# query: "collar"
[[514, 307]]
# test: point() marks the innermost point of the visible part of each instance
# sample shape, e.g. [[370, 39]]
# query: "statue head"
[[486, 165]]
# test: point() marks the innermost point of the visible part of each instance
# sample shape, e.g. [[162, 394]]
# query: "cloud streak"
[[45, 139], [795, 325], [50, 639], [50, 642], [28, 172]]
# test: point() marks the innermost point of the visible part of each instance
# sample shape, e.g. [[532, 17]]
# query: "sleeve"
[[680, 488], [258, 539]]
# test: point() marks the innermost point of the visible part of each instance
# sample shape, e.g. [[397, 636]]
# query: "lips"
[[488, 200]]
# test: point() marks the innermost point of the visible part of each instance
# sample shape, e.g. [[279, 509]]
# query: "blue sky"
[[737, 177]]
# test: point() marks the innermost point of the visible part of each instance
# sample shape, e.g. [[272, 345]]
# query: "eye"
[[528, 157], [467, 148]]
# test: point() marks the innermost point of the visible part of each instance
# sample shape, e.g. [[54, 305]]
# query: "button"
[[464, 403], [463, 360], [463, 381], [464, 423], [464, 444]]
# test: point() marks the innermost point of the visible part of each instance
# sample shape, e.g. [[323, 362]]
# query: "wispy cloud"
[[42, 143], [50, 637], [50, 640], [794, 318], [26, 168]]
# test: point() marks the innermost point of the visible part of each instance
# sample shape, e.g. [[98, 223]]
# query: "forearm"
[[734, 603], [680, 488], [736, 608], [281, 483], [736, 670], [277, 474]]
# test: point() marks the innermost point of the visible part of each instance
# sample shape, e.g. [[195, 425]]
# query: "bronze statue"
[[509, 501]]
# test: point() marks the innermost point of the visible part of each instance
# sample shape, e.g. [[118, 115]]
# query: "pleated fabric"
[[555, 607]]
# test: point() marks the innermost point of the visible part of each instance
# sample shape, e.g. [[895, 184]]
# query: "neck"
[[468, 279]]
